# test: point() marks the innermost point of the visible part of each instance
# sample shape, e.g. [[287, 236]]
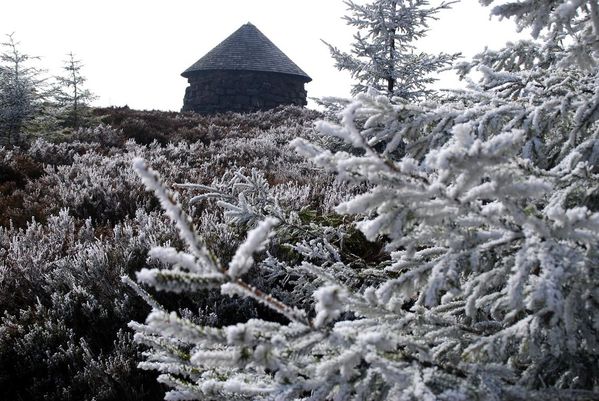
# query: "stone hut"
[[245, 73]]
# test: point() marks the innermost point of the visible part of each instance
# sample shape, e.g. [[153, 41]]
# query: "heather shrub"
[[139, 130], [17, 168], [170, 126], [65, 307], [102, 134], [74, 219]]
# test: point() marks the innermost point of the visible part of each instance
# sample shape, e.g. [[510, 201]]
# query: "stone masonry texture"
[[218, 91]]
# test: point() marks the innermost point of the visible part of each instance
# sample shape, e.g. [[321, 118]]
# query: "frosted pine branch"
[[243, 260]]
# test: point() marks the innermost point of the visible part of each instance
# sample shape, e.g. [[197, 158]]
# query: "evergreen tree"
[[491, 227], [383, 54], [71, 94], [21, 89]]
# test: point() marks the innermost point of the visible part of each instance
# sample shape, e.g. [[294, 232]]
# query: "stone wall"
[[242, 91]]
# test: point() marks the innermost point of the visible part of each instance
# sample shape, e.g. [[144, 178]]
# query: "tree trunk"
[[391, 79]]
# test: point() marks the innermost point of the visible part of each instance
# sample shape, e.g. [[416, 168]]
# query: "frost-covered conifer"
[[488, 212], [70, 94], [21, 89], [383, 54]]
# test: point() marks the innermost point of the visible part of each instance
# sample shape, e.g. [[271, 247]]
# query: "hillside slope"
[[74, 218]]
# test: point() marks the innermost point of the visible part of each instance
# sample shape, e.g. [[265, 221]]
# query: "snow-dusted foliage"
[[70, 94], [486, 288], [383, 54], [62, 333], [21, 89], [72, 222]]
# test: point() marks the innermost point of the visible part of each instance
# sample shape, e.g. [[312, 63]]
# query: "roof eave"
[[189, 73]]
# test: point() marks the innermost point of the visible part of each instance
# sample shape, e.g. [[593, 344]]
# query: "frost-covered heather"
[[62, 334], [486, 286], [75, 218]]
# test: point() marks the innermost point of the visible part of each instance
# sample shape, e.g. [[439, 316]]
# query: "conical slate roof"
[[247, 49]]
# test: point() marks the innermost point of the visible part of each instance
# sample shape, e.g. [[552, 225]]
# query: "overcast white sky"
[[135, 50]]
